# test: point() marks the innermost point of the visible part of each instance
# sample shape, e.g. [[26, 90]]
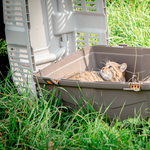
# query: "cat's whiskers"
[[129, 71], [102, 63]]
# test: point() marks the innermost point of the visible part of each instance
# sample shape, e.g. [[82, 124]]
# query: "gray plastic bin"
[[91, 58]]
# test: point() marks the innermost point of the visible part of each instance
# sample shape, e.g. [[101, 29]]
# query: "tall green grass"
[[44, 123], [128, 22]]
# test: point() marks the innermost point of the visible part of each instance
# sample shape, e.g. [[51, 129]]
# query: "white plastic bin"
[[39, 32]]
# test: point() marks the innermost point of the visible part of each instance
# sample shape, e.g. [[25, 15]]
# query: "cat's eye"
[[110, 67]]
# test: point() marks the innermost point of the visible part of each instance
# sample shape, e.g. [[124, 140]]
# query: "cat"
[[112, 71]]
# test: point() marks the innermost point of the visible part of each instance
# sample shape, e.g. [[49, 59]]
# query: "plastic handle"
[[52, 81], [128, 89], [133, 87]]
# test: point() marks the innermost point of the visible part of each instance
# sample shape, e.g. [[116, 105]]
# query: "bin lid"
[[68, 26], [38, 33]]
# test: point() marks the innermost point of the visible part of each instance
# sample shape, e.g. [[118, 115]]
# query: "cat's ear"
[[123, 67]]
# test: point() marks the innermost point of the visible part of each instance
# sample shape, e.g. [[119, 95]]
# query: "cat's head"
[[113, 72]]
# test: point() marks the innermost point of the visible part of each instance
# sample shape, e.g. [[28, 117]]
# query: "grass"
[[3, 48], [44, 123], [128, 22]]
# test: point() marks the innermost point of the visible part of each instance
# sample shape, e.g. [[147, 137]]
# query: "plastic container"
[[40, 32], [133, 96]]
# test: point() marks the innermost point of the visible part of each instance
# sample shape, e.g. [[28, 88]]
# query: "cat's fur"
[[111, 72]]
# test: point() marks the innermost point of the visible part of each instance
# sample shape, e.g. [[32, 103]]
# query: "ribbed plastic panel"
[[91, 23], [21, 55], [88, 6], [39, 32]]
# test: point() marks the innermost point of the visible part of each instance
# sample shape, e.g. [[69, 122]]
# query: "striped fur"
[[112, 71]]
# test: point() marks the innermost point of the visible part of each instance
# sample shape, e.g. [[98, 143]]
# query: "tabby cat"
[[111, 72]]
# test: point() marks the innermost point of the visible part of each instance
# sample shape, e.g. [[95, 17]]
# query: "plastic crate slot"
[[104, 11], [12, 20], [19, 24], [7, 12], [92, 10], [18, 50], [17, 57], [18, 63], [18, 3], [78, 9], [19, 18], [81, 39], [23, 72], [7, 7], [80, 34], [21, 51], [26, 1], [8, 17], [104, 4], [23, 55], [93, 35], [91, 4], [16, 8], [32, 59], [13, 15], [79, 47], [12, 52], [9, 23], [80, 43], [13, 62], [21, 83], [90, 44], [18, 13], [18, 67], [27, 11], [94, 39], [24, 60], [20, 77], [17, 53], [77, 4], [7, 2]]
